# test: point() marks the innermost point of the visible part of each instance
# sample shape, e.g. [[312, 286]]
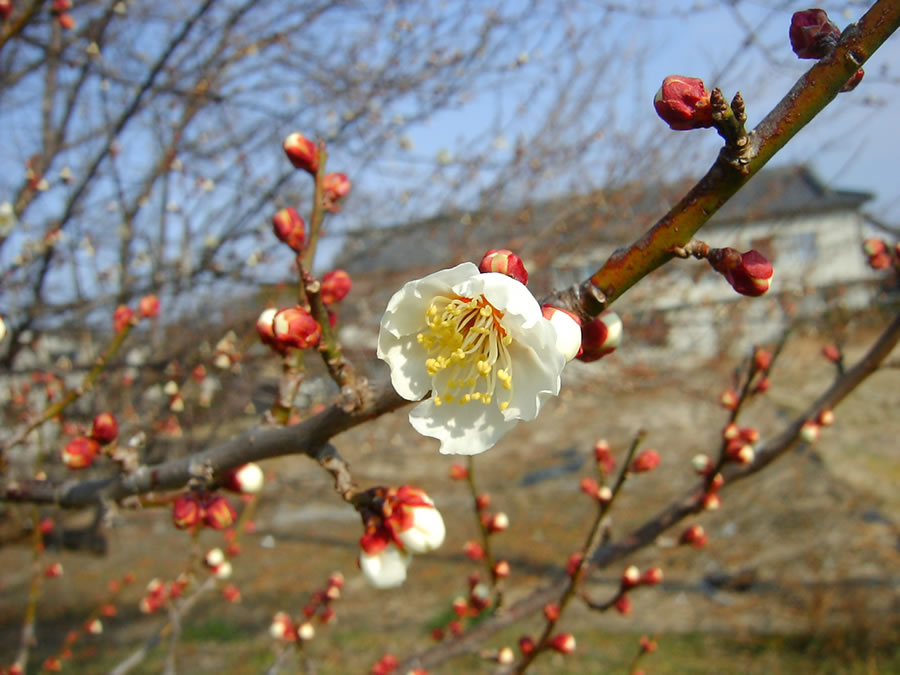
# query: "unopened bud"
[[623, 604], [683, 103], [458, 472], [302, 152], [812, 34], [335, 186], [551, 611], [306, 631], [702, 464], [501, 569], [832, 353], [187, 511], [122, 317], [810, 431], [53, 570], [694, 536], [826, 418], [474, 550], [505, 656], [231, 593], [762, 386], [604, 494], [589, 486], [482, 501], [652, 576], [498, 522], [505, 262], [94, 627], [104, 428], [574, 563], [265, 330], [749, 273], [564, 643], [219, 513], [289, 227], [295, 327], [600, 337], [729, 400], [245, 479], [335, 286], [604, 457], [80, 453], [647, 460], [214, 557], [711, 501], [148, 307], [630, 577], [762, 359], [223, 571], [526, 645]]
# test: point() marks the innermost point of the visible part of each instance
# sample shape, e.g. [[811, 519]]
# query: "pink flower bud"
[[53, 570], [289, 227], [762, 386], [148, 307], [526, 645], [812, 34], [335, 286], [474, 550], [219, 513], [67, 22], [564, 643], [302, 152], [568, 330], [652, 576], [600, 337], [295, 327], [623, 604], [551, 611], [458, 472], [501, 569], [122, 317], [832, 353], [187, 511], [105, 428], [647, 460], [810, 431], [631, 577], [482, 501], [826, 418], [683, 103], [694, 536], [46, 526], [748, 273], [80, 453], [246, 479], [231, 593], [573, 562], [335, 186], [505, 262], [589, 486], [335, 580]]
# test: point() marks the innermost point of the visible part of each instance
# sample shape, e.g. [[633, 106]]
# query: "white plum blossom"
[[480, 344], [385, 568]]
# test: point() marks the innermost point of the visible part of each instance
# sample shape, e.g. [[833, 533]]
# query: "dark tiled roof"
[[567, 224]]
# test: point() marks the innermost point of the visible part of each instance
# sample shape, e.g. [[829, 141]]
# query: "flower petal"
[[513, 298], [537, 373], [462, 429], [386, 569], [406, 358]]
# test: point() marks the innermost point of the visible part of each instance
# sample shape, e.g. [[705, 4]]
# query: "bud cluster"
[[879, 256], [158, 593], [285, 629], [191, 510], [632, 578], [81, 451], [123, 316], [398, 522], [477, 600]]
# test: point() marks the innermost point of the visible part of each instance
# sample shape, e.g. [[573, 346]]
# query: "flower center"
[[468, 355]]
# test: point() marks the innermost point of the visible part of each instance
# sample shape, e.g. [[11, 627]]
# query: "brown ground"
[[816, 536]]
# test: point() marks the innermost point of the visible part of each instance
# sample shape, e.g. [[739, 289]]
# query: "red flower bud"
[[762, 386], [80, 453], [762, 359], [564, 643], [474, 550], [289, 227], [647, 645], [711, 501], [694, 536], [148, 307], [501, 569], [826, 418], [122, 317], [600, 337], [53, 570], [604, 457], [551, 611], [335, 286], [631, 577], [647, 460], [335, 186], [245, 479], [526, 645], [812, 34], [881, 261], [623, 604], [67, 22], [302, 152], [683, 103], [505, 262], [187, 511], [458, 472], [105, 428], [589, 486], [5, 11], [295, 327], [482, 501], [652, 576], [748, 273], [573, 562], [219, 513], [832, 353], [498, 523]]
